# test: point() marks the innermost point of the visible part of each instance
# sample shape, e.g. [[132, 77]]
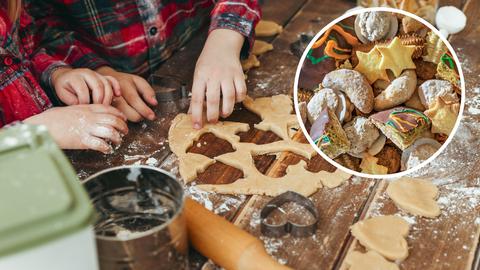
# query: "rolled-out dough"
[[383, 234], [416, 196], [276, 117], [261, 47], [266, 28], [368, 261]]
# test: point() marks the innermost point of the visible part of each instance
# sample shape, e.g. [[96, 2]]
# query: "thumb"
[[115, 85]]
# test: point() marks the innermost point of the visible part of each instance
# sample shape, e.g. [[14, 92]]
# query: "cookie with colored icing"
[[401, 125], [328, 134]]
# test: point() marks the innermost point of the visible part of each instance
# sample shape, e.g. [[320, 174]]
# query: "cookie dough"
[[266, 28], [429, 90], [371, 260], [250, 62], [354, 85], [416, 196], [276, 114], [361, 133], [383, 234], [261, 47], [399, 91]]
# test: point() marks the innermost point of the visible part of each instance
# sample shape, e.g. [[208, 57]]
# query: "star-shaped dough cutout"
[[369, 64], [443, 116], [396, 56]]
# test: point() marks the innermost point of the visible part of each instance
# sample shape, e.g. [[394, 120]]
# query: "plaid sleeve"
[[238, 15], [58, 41]]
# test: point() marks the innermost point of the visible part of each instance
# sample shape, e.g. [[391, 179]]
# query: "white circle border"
[[462, 87]]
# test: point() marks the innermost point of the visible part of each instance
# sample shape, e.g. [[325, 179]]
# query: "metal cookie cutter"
[[168, 88], [296, 230]]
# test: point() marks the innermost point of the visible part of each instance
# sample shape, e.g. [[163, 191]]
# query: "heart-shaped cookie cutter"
[[294, 229]]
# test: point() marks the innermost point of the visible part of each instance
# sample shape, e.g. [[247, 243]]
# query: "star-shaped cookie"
[[369, 64], [396, 56], [443, 116]]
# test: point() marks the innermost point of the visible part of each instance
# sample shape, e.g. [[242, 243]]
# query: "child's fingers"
[[115, 85], [97, 144], [129, 112], [134, 100], [108, 91], [114, 121], [81, 89], [96, 86], [68, 97], [213, 100], [100, 108], [106, 132], [228, 99], [145, 90], [240, 88], [196, 104]]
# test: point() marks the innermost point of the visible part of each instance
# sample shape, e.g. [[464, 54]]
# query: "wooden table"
[[448, 242]]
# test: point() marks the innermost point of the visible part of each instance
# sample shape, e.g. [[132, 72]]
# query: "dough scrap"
[[261, 47], [383, 234], [416, 196], [276, 114], [250, 62], [266, 28], [368, 261]]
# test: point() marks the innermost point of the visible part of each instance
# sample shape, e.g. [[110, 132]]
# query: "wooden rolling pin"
[[224, 243]]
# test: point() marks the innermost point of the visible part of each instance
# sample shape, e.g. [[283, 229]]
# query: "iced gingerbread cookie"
[[328, 134], [401, 125], [354, 85], [361, 133], [429, 90], [399, 91]]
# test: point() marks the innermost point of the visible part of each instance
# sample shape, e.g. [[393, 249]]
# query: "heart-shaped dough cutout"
[[368, 261], [383, 234], [416, 196]]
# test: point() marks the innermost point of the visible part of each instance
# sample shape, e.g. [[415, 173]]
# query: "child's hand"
[[73, 86], [135, 92], [83, 126], [218, 77]]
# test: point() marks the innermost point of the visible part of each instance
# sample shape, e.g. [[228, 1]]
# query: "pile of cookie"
[[379, 96]]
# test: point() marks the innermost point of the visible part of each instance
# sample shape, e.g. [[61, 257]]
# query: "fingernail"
[[196, 126]]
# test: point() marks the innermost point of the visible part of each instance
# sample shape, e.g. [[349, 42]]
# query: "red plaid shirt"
[[134, 36], [20, 66]]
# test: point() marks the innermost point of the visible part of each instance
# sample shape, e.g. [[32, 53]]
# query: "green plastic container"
[[42, 202]]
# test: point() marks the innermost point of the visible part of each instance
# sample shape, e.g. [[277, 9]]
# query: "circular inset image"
[[382, 92]]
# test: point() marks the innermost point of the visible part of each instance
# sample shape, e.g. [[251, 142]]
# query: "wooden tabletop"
[[448, 242]]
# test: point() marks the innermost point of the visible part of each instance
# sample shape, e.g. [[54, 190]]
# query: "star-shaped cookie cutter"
[[294, 229]]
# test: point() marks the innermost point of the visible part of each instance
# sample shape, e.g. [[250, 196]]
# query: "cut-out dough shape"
[[266, 28], [368, 261], [261, 47], [250, 62], [383, 234], [276, 114], [414, 195], [182, 135]]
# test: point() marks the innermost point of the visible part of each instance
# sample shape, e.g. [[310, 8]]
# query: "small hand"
[[135, 92], [218, 77], [83, 126], [73, 86]]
